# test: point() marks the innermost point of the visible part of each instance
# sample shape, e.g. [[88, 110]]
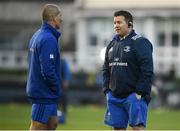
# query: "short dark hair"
[[127, 15], [49, 11]]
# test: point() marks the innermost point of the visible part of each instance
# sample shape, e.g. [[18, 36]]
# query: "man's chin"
[[118, 33]]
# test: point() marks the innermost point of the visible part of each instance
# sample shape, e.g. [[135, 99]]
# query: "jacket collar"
[[117, 37], [54, 31]]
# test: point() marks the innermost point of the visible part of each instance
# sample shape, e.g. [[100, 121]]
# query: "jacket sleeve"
[[144, 51], [106, 73], [48, 57]]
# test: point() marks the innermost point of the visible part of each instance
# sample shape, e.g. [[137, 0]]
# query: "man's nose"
[[115, 25]]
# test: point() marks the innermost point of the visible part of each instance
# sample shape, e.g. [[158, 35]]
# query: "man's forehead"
[[119, 17]]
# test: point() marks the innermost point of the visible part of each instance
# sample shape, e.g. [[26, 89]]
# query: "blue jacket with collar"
[[128, 66], [43, 84]]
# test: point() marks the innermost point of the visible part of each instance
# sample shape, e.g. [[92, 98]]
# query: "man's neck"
[[51, 23], [128, 32]]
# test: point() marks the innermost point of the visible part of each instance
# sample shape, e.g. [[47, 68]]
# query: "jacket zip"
[[121, 51]]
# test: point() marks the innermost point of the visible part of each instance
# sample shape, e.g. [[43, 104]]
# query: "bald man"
[[43, 83]]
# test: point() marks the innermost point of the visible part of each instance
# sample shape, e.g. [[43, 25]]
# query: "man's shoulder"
[[43, 38], [47, 34], [141, 43], [138, 39], [41, 33]]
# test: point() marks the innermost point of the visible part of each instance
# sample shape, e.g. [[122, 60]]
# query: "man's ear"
[[130, 24], [53, 18]]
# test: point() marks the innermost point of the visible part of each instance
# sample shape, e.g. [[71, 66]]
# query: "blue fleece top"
[[43, 83]]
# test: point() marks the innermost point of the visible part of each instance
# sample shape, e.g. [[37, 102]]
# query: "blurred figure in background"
[[65, 78], [127, 75], [43, 83]]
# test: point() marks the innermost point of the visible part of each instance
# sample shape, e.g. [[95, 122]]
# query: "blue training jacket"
[[43, 84], [128, 66]]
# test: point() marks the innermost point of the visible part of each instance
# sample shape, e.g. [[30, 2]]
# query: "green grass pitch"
[[17, 116]]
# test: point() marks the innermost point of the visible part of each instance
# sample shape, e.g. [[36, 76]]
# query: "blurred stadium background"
[[87, 29]]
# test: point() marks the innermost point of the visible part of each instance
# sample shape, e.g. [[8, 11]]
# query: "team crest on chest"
[[127, 48]]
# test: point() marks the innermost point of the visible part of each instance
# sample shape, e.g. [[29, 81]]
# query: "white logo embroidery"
[[51, 56], [127, 48]]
